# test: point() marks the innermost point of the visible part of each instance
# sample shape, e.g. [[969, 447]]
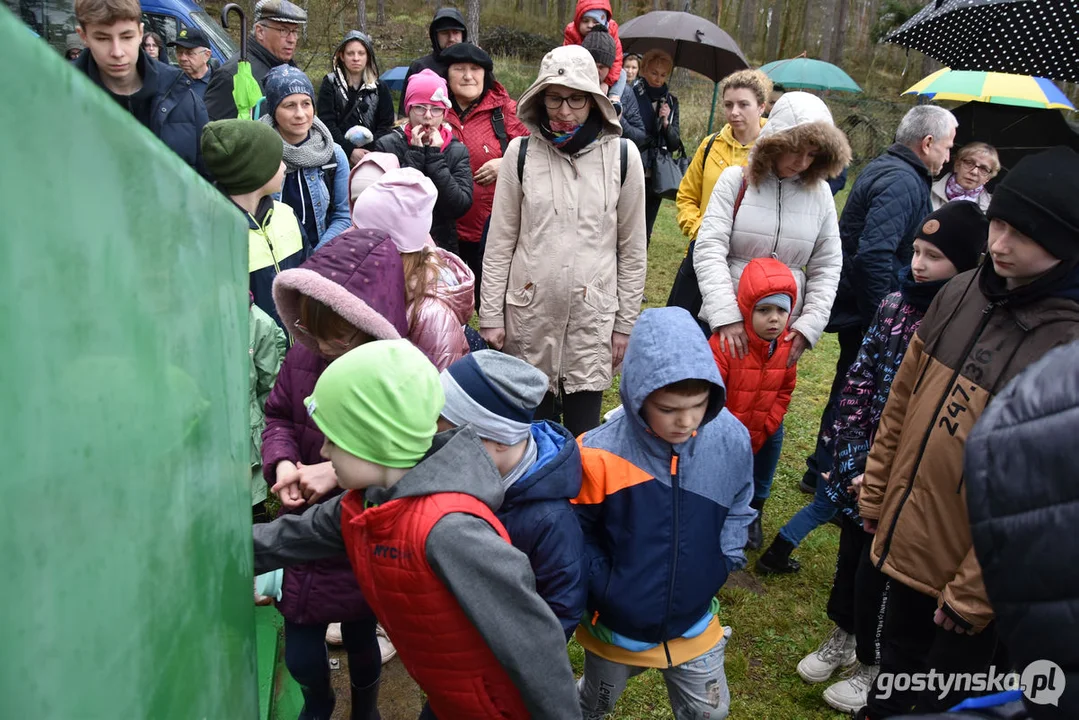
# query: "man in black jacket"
[[447, 28], [278, 24], [159, 96], [887, 203]]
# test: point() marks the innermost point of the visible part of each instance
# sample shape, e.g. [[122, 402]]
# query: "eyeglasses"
[[432, 110], [980, 169], [575, 102], [336, 343], [292, 32]]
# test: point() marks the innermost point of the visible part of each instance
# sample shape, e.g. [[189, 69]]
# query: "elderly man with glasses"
[[278, 24]]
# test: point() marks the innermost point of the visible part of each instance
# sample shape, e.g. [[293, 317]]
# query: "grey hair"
[[924, 121]]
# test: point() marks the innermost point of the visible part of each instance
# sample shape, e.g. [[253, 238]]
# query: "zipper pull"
[[486, 150]]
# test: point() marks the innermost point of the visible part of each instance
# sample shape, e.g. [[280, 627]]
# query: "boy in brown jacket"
[[982, 330]]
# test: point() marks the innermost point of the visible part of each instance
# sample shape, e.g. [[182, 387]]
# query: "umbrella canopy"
[[806, 74], [989, 87], [694, 43], [394, 78], [1014, 131], [1024, 37]]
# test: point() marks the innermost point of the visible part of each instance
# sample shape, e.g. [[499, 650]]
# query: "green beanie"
[[379, 402], [242, 155]]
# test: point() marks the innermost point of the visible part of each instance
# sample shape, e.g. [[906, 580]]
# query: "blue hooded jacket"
[[664, 524], [541, 522]]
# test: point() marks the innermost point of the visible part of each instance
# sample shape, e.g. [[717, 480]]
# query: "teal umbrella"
[[802, 73]]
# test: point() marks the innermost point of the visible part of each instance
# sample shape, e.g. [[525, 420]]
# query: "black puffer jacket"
[[341, 107], [1023, 499], [218, 98], [166, 104], [444, 18], [450, 172]]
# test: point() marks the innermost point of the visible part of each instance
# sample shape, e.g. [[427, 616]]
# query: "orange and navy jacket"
[[759, 386], [664, 524]]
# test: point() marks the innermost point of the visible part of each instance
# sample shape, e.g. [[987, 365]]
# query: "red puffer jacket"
[[478, 135], [759, 386], [572, 36]]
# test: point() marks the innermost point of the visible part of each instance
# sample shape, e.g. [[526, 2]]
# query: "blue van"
[[54, 20]]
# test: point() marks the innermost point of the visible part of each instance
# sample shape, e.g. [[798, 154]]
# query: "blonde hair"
[[370, 69], [653, 56], [980, 148], [421, 270], [106, 12], [753, 80]]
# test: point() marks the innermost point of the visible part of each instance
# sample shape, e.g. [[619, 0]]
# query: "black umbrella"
[[1023, 37], [1014, 131], [695, 44]]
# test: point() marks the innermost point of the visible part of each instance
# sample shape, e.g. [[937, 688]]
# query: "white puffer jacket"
[[793, 220]]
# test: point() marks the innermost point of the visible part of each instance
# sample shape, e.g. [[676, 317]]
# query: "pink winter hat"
[[399, 204], [426, 88], [370, 168]]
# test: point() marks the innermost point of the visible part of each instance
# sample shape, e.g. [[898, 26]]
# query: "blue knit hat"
[[285, 80], [495, 393]]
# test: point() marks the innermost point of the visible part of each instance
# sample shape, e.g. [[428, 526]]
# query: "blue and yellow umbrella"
[[992, 87]]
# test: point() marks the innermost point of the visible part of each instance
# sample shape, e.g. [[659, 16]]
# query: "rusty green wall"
[[125, 586]]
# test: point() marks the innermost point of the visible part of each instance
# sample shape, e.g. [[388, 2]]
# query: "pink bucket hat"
[[368, 170], [426, 87], [399, 204]]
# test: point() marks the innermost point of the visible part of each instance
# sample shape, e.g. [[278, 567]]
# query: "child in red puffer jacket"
[[759, 385], [589, 14]]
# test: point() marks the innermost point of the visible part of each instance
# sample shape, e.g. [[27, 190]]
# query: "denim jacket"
[[330, 221]]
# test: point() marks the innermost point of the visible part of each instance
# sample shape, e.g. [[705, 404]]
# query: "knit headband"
[[472, 399]]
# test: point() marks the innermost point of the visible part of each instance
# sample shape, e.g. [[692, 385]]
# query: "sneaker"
[[384, 645], [851, 694], [333, 634], [835, 652]]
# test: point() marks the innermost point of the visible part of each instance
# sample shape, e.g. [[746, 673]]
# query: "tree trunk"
[[746, 28], [775, 21], [839, 35], [361, 14], [380, 13], [561, 13], [806, 19], [473, 21]]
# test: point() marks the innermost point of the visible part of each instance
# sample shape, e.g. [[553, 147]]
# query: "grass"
[[775, 621]]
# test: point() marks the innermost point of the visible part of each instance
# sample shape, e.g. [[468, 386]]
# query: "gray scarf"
[[526, 463], [314, 152]]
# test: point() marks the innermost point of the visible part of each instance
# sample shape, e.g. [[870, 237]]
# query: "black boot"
[[777, 558], [756, 535], [365, 702]]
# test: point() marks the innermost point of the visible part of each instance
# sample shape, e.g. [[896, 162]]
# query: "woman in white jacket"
[[786, 212]]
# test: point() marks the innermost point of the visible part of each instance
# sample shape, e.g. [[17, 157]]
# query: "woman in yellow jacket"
[[744, 95]]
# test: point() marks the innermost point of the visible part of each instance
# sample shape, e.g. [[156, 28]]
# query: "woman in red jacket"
[[484, 118]]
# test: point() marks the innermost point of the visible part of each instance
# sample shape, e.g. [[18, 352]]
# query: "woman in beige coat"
[[564, 266]]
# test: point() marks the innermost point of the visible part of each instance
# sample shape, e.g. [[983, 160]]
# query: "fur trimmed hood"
[[359, 276], [796, 119]]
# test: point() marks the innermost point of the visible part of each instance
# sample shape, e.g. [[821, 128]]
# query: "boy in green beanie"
[[434, 563], [245, 159]]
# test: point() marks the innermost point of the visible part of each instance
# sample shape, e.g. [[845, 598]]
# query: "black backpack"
[[523, 152]]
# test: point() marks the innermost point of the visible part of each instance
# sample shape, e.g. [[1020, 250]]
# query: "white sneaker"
[[835, 652], [333, 634], [851, 695], [384, 644]]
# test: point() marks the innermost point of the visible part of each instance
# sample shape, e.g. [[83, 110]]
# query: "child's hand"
[[435, 137], [856, 485], [418, 136], [261, 600], [733, 339], [287, 486], [799, 345], [316, 481], [870, 526]]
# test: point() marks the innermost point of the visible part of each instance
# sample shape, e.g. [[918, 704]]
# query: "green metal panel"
[[125, 521]]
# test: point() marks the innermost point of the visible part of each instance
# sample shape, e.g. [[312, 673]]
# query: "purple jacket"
[[359, 276]]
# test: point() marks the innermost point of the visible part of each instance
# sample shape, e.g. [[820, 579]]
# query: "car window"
[[165, 26], [215, 33]]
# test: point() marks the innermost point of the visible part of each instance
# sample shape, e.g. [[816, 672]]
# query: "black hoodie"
[[444, 19]]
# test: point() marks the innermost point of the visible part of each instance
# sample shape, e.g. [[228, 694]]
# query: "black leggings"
[[578, 411], [859, 592], [651, 210], [472, 254], [308, 662]]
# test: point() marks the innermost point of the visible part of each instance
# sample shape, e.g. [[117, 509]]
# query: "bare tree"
[[747, 25], [473, 21], [380, 13], [775, 21], [361, 14], [839, 35]]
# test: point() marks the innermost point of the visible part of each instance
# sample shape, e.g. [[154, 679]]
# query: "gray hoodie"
[[492, 580]]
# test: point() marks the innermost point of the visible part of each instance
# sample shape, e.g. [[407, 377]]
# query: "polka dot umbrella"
[[1022, 37]]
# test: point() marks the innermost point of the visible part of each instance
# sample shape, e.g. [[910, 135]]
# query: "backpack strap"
[[498, 123], [329, 174], [624, 161], [522, 153], [738, 198], [708, 149]]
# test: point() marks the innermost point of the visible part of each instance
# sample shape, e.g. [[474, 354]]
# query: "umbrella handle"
[[233, 7]]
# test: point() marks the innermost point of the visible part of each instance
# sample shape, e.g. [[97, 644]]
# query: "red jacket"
[[440, 648], [572, 36], [759, 386], [478, 135]]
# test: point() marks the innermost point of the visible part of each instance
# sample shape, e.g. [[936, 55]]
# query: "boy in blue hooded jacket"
[[540, 464], [664, 505]]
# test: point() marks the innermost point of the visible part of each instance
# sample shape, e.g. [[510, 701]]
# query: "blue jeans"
[[765, 462], [697, 689], [810, 517]]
